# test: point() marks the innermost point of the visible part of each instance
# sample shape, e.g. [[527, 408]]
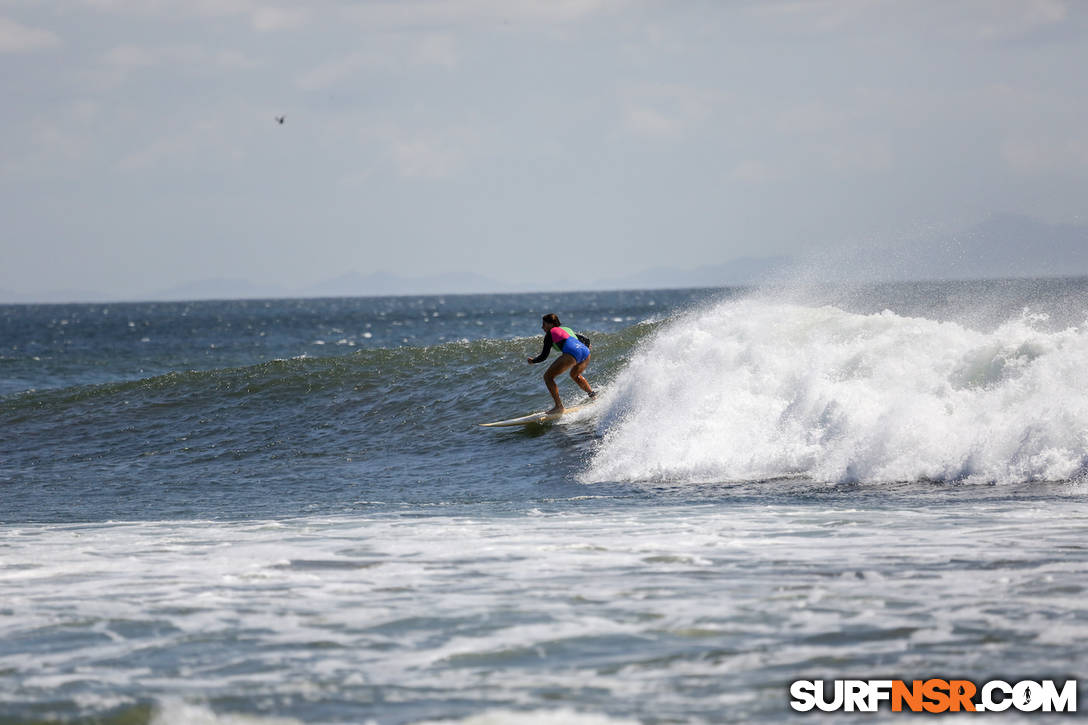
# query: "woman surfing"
[[573, 355]]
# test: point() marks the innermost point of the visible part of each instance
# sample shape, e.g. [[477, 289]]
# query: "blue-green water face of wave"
[[289, 407]]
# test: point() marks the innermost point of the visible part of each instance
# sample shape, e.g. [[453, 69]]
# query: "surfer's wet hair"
[[551, 319]]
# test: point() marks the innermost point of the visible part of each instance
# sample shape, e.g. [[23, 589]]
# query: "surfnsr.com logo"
[[933, 695]]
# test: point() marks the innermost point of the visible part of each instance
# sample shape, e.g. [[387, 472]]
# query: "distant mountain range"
[[1004, 245]]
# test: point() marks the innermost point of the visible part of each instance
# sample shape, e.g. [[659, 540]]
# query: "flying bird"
[[281, 119]]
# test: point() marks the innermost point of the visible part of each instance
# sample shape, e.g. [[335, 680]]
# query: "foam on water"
[[176, 712], [752, 389], [565, 616], [561, 716]]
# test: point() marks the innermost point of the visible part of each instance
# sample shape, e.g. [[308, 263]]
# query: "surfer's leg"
[[576, 376], [557, 368]]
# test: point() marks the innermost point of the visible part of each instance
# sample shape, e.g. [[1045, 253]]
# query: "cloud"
[[817, 16], [669, 110], [652, 122], [392, 51], [204, 8], [16, 38], [374, 13], [119, 63], [436, 50], [963, 20], [184, 147], [269, 19], [814, 117], [426, 158], [332, 72], [420, 153], [53, 145], [262, 16], [134, 57], [755, 171], [1004, 18], [444, 13]]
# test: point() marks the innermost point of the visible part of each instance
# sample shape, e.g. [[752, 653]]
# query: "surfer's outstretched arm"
[[543, 353]]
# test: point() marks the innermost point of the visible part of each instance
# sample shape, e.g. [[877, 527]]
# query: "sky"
[[541, 142]]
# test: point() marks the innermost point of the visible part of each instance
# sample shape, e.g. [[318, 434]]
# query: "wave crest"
[[754, 390]]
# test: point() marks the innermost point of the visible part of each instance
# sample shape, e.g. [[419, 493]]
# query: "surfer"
[[573, 355]]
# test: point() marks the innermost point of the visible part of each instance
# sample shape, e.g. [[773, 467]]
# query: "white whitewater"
[[752, 389]]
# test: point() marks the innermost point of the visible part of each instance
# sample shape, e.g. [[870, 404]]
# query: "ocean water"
[[284, 511]]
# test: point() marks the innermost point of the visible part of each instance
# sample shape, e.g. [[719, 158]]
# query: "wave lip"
[[751, 390]]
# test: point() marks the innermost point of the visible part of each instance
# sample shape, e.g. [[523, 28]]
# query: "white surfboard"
[[534, 418]]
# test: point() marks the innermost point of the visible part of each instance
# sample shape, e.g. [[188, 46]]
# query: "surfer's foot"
[[556, 410]]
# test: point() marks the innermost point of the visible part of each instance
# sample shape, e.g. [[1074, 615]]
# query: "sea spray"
[[752, 389]]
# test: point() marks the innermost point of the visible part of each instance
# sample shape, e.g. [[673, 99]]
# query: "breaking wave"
[[752, 389]]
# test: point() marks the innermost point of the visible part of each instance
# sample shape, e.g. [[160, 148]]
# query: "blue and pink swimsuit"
[[567, 342]]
